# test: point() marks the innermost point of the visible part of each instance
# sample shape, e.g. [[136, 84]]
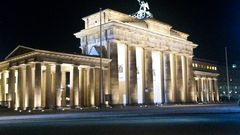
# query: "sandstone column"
[[22, 86], [190, 90], [43, 87], [4, 92], [63, 89], [204, 90], [3, 96], [211, 90], [1, 87], [170, 77], [122, 73], [76, 86], [30, 85], [88, 88], [140, 74], [71, 87], [11, 88], [167, 79], [162, 77], [81, 87], [106, 85], [84, 87], [17, 94], [38, 85], [183, 95], [58, 76], [92, 85], [157, 75], [49, 81], [207, 89], [216, 91], [114, 73], [199, 89], [179, 91], [132, 80], [25, 92], [148, 75]]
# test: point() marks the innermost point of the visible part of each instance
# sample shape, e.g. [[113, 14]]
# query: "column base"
[[78, 107], [27, 108], [158, 104], [104, 106], [37, 108], [59, 107]]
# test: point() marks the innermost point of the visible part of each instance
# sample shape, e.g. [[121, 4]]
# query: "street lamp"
[[226, 56], [101, 94]]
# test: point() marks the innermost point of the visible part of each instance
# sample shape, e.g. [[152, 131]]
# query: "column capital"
[[23, 66], [49, 63], [196, 78], [13, 67], [83, 66], [210, 78], [4, 71]]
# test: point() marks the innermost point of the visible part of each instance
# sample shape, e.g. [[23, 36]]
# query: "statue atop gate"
[[143, 12]]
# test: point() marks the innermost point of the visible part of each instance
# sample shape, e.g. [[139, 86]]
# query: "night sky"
[[212, 24]]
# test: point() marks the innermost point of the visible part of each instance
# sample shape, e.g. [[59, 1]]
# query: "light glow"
[[122, 76], [121, 62], [157, 92], [124, 99], [16, 90], [139, 62]]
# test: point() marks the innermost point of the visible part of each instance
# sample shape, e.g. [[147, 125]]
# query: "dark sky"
[[212, 24]]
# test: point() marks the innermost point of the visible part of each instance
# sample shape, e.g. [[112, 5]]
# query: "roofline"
[[144, 29], [151, 19], [46, 51], [16, 49]]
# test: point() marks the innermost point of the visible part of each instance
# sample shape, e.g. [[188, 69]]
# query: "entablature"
[[205, 74], [56, 57], [134, 35]]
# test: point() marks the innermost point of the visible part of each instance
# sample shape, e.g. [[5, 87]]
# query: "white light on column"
[[16, 90], [6, 77], [124, 99], [139, 62], [121, 62], [157, 94]]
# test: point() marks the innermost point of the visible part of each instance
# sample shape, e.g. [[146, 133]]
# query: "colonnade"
[[151, 76], [50, 85], [207, 89]]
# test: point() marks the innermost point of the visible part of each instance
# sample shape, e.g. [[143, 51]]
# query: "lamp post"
[[101, 93], [226, 56]]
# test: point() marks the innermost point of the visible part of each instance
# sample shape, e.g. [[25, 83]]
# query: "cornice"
[[139, 30], [202, 73]]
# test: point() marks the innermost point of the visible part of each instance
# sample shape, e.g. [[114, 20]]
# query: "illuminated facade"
[[206, 81], [145, 62], [151, 62]]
